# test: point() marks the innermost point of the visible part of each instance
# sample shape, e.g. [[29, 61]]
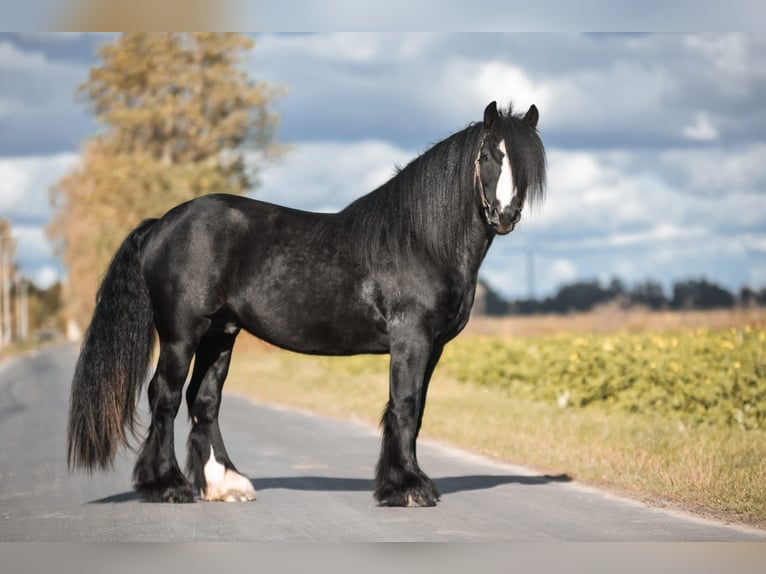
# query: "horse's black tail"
[[113, 361]]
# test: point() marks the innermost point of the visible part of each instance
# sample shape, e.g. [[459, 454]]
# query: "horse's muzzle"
[[504, 222]]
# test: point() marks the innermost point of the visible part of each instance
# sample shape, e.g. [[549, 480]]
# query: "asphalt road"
[[313, 478]]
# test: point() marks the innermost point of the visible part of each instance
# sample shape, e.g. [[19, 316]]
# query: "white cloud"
[[46, 276], [560, 271], [38, 114], [594, 191], [32, 244], [716, 170], [754, 242], [456, 90], [326, 176], [729, 54], [341, 47], [653, 194], [24, 184], [57, 38], [702, 130], [592, 90], [12, 58], [8, 106], [25, 181], [757, 274], [617, 97]]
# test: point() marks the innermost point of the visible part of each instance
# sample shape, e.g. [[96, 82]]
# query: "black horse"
[[394, 272]]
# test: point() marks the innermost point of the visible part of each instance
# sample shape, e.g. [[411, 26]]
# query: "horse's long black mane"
[[431, 205]]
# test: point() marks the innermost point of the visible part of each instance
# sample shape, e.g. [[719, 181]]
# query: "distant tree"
[[616, 288], [527, 307], [493, 303], [748, 297], [45, 308], [7, 243], [649, 293], [580, 296], [177, 111], [694, 294]]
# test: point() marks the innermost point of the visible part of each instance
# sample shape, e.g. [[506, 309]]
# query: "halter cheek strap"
[[479, 184]]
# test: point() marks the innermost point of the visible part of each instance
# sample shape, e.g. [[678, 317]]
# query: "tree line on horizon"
[[582, 296]]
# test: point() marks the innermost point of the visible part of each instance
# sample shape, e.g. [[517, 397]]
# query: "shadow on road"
[[446, 485], [450, 484], [130, 496]]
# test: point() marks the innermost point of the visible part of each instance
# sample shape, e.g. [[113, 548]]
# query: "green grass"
[[676, 418]]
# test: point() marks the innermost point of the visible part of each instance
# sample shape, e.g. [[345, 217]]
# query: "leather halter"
[[480, 185]]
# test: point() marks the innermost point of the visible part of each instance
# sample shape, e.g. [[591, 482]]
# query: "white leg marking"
[[506, 191], [224, 484]]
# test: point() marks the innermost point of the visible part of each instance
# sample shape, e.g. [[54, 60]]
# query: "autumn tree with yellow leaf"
[[178, 113]]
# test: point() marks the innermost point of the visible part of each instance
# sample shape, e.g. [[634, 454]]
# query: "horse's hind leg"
[[156, 474], [208, 463]]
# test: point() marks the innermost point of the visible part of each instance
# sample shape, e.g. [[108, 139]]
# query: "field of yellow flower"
[[699, 377]]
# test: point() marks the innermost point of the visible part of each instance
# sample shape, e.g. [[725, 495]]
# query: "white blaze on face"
[[505, 188]]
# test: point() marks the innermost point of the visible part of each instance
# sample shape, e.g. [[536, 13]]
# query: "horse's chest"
[[447, 305], [459, 313]]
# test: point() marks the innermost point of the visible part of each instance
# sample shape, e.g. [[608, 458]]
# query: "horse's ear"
[[532, 116], [490, 115]]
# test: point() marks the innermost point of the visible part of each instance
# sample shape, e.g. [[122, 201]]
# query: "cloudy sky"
[[655, 143]]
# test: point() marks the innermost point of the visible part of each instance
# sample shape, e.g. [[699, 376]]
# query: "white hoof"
[[225, 485]]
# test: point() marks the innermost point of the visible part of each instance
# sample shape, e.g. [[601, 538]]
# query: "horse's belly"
[[320, 337], [330, 323]]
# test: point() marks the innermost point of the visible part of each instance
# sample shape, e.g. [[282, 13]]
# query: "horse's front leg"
[[399, 480]]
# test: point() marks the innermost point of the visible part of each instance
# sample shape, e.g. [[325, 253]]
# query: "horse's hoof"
[[413, 491], [236, 488], [166, 493]]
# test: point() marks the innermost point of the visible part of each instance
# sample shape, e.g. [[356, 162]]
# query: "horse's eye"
[[483, 157]]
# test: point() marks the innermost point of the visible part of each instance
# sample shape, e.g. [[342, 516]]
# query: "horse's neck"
[[475, 251]]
